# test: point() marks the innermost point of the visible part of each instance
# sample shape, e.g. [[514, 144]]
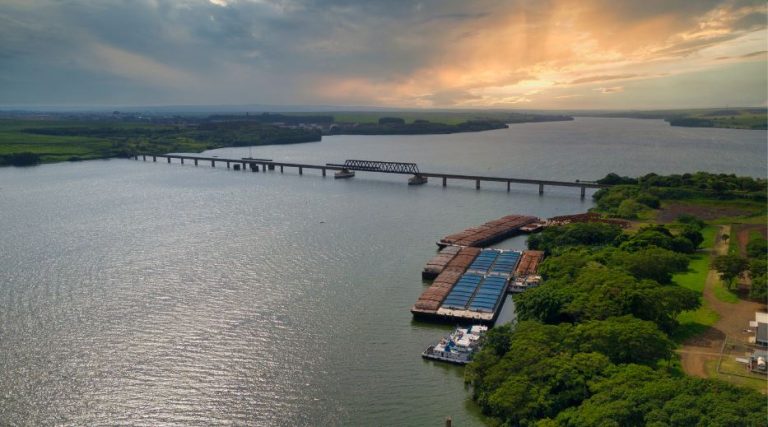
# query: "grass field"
[[732, 118], [743, 379], [47, 141], [724, 294], [696, 321]]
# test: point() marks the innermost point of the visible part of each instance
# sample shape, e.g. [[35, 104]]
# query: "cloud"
[[614, 89], [593, 79], [439, 53], [758, 54], [137, 67]]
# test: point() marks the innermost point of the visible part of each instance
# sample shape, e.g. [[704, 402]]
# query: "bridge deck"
[[395, 169]]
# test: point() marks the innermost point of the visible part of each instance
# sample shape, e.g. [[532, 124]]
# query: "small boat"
[[417, 180], [458, 347], [344, 173]]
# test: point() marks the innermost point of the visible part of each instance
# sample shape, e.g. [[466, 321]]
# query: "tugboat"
[[344, 173], [458, 347], [417, 180]]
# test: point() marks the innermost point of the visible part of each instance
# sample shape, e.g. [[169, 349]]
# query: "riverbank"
[[728, 118], [30, 139]]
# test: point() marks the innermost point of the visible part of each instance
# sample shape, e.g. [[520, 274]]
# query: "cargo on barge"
[[471, 287], [490, 232], [526, 273]]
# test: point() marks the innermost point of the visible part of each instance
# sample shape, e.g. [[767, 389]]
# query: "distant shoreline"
[[725, 118], [31, 140]]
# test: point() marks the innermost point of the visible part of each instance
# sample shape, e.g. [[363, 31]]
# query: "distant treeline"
[[274, 118], [76, 138], [126, 141], [736, 118], [397, 126], [19, 159]]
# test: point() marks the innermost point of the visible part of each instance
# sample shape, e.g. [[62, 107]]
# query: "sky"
[[510, 54]]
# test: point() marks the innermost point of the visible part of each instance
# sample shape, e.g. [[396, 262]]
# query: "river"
[[146, 293]]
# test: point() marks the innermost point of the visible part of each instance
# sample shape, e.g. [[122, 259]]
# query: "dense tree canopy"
[[685, 186], [591, 343], [566, 375], [599, 292], [633, 395], [587, 234]]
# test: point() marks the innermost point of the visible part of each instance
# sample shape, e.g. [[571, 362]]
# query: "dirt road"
[[734, 319]]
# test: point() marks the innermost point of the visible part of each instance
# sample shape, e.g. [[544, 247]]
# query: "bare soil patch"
[[670, 212], [742, 232], [733, 323]]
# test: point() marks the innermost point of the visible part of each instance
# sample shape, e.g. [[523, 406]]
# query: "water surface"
[[155, 294]]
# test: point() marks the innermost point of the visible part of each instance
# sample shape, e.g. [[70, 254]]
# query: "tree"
[[691, 221], [391, 121], [693, 233], [577, 234], [651, 263], [757, 272], [599, 292], [730, 268], [632, 395], [628, 209], [757, 248], [624, 339]]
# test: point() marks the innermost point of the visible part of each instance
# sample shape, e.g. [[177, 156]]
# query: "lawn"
[[696, 321], [696, 275], [724, 294]]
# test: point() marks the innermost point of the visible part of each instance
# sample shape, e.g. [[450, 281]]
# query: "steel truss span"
[[376, 166]]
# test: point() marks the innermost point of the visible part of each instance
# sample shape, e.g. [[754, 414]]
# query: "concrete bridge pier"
[[227, 165], [154, 158], [195, 162], [182, 160], [213, 163], [143, 157], [271, 167], [301, 170], [541, 188], [281, 168], [477, 184], [169, 159], [509, 185], [583, 192], [323, 171]]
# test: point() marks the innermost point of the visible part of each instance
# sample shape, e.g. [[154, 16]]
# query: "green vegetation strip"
[[594, 343]]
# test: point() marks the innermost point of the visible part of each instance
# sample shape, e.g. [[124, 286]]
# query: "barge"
[[471, 287], [458, 347], [437, 264], [490, 232], [526, 276]]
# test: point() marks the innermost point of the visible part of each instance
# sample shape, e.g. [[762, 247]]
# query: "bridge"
[[376, 166], [368, 166]]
